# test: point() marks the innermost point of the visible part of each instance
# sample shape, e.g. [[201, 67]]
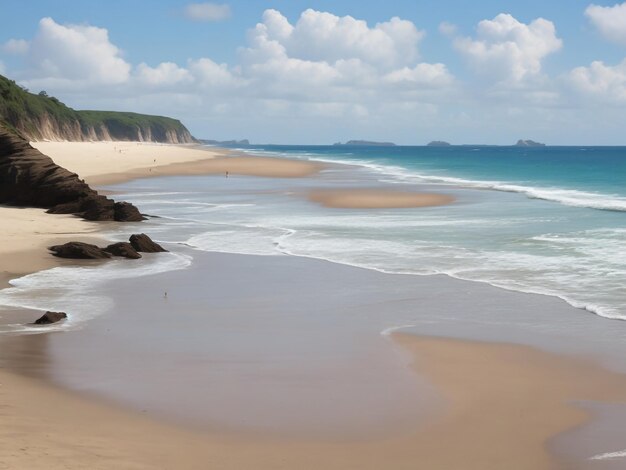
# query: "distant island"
[[529, 143], [43, 117], [365, 143], [225, 142], [438, 143]]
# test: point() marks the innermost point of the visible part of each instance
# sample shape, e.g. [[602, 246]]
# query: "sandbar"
[[376, 199]]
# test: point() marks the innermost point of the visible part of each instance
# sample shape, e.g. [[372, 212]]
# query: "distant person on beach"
[[227, 174]]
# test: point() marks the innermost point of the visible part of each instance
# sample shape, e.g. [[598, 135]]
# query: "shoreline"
[[273, 452]]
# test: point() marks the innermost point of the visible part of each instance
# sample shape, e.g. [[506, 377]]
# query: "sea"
[[544, 220]]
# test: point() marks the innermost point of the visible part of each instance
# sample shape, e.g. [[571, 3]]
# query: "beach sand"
[[376, 199], [26, 233], [101, 163], [503, 403]]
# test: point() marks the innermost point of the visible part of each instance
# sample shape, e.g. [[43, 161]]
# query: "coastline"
[[79, 446]]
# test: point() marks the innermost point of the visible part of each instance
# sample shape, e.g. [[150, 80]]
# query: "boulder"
[[30, 178], [51, 317], [78, 250], [123, 249], [143, 243], [126, 212]]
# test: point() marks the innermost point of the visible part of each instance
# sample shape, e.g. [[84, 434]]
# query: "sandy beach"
[[101, 163], [502, 404]]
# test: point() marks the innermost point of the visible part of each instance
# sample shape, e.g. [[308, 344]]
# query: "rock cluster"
[[139, 243], [30, 178]]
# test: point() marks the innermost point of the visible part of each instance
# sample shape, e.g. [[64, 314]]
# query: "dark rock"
[[51, 317], [143, 243], [126, 212], [30, 178], [78, 250], [123, 249]]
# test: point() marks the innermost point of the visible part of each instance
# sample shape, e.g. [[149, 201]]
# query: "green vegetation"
[[28, 113]]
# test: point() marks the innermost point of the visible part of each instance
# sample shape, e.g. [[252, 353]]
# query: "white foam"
[[569, 197], [389, 331], [73, 289], [609, 455]]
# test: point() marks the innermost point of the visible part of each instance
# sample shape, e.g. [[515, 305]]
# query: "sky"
[[319, 72]]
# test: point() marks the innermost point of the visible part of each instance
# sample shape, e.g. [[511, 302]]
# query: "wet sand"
[[263, 372], [505, 402]]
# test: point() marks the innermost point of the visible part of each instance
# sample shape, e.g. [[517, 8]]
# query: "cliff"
[[30, 178], [43, 117]]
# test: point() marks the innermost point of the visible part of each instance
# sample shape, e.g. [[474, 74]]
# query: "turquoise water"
[[583, 176]]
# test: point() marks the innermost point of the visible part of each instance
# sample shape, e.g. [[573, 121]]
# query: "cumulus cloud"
[[16, 46], [604, 82], [207, 11], [321, 36], [75, 54], [610, 21], [321, 65], [165, 74], [324, 56], [508, 50]]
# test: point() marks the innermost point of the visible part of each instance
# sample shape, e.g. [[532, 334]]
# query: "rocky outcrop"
[[79, 250], [51, 317], [143, 243], [30, 178], [123, 249], [138, 243]]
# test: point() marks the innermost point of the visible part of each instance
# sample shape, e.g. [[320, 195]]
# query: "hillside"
[[43, 117]]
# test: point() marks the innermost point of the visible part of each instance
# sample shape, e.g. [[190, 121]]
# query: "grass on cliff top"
[[20, 109]]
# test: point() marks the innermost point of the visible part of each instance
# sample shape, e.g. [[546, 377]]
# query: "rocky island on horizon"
[[529, 143]]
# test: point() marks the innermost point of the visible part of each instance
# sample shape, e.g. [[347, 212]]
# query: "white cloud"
[[75, 55], [166, 73], [207, 11], [611, 21], [604, 82], [428, 75], [508, 50], [321, 36], [16, 46]]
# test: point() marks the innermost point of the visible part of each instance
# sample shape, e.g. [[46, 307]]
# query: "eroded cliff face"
[[47, 127], [30, 178]]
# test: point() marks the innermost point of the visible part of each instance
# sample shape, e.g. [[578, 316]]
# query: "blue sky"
[[293, 71]]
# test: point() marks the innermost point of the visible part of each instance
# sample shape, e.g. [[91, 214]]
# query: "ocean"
[[548, 220]]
